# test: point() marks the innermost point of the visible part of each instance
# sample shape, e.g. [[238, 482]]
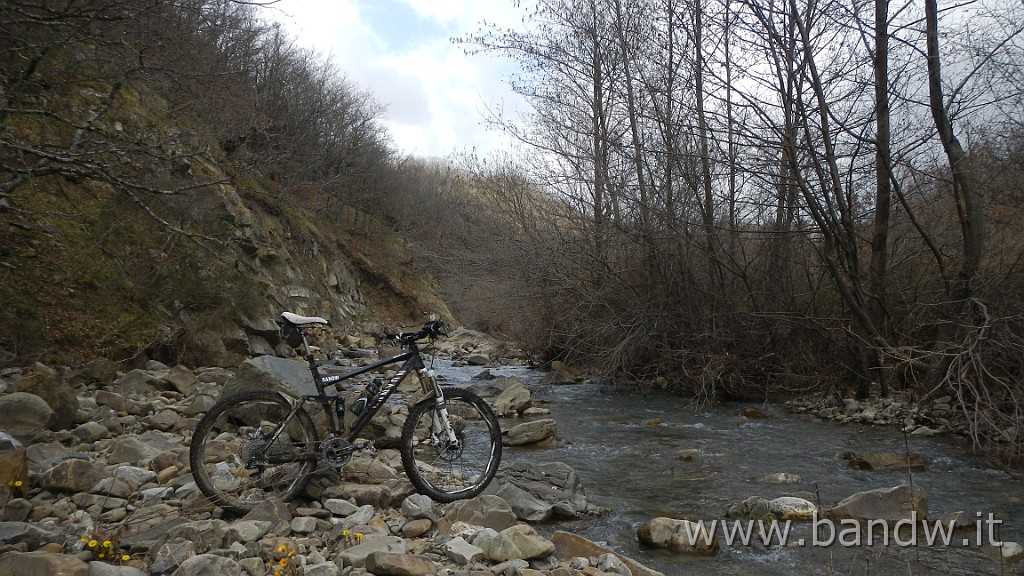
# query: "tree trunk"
[[876, 303], [969, 202]]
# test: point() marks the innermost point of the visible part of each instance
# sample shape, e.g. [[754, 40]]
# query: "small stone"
[[780, 478], [1012, 552], [17, 510], [304, 524], [340, 507], [687, 454], [416, 528], [91, 431], [461, 552], [417, 506]]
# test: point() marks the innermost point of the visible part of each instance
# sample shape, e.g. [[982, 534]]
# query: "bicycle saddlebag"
[[292, 334]]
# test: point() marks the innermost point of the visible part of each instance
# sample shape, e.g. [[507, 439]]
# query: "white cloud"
[[400, 50]]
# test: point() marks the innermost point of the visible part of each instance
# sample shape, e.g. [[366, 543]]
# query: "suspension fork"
[[442, 422]]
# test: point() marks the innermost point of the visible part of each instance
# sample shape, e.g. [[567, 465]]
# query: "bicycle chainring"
[[336, 451]]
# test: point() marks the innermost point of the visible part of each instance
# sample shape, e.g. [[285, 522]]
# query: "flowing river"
[[625, 448]]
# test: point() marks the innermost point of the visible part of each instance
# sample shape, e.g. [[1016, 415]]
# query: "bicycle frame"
[[412, 361]]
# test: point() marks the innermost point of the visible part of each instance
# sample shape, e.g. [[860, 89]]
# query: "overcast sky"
[[401, 51]]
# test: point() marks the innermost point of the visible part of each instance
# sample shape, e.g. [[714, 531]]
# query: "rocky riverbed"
[[94, 480]]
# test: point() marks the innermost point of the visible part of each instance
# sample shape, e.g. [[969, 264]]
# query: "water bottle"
[[364, 397]]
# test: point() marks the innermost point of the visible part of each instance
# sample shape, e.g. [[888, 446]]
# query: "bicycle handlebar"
[[432, 330]]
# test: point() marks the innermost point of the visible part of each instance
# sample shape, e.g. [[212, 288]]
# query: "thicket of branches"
[[747, 197], [119, 122], [738, 197]]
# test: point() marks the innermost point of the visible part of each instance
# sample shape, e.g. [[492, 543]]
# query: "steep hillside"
[[132, 256]]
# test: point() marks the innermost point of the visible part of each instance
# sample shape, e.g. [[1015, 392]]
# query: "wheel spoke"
[[443, 470], [241, 454]]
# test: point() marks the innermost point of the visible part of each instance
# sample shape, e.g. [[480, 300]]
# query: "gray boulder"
[[405, 564], [885, 460], [25, 415], [141, 382], [792, 508], [40, 563], [357, 555], [12, 533], [208, 565], [519, 542], [541, 492], [48, 384], [677, 536], [890, 504], [290, 377], [530, 432], [513, 397], [487, 510], [74, 475]]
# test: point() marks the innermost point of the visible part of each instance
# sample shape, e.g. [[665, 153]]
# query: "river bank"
[[650, 455], [108, 463]]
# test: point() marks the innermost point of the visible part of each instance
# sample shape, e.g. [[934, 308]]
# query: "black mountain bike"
[[257, 445]]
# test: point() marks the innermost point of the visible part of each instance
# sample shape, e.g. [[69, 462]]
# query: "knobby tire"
[[444, 474], [233, 462]]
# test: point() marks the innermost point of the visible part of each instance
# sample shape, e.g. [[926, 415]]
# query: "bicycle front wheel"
[[246, 450], [440, 468]]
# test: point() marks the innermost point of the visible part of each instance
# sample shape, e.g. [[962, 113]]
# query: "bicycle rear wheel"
[[440, 469], [244, 450]]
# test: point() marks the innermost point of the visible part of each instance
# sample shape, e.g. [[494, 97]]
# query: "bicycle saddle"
[[303, 320]]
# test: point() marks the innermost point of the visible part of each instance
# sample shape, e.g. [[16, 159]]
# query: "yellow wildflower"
[[85, 537], [108, 544], [282, 548], [359, 536], [17, 483], [125, 558], [93, 543], [283, 562], [344, 533]]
